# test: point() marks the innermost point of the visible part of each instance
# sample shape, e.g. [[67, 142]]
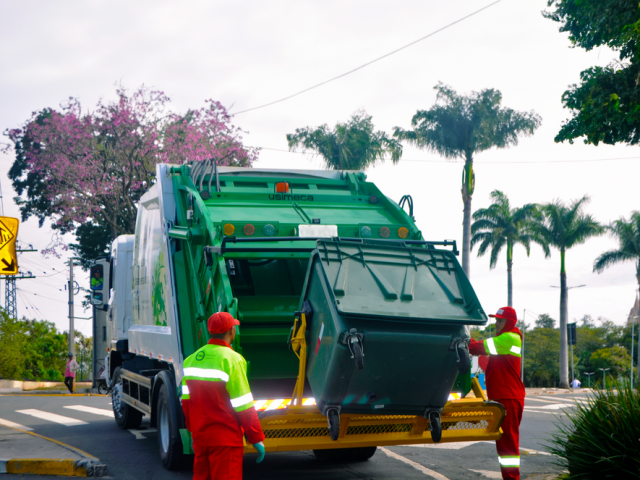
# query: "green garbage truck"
[[354, 327]]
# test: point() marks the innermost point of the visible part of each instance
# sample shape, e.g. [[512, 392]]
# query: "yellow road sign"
[[8, 236]]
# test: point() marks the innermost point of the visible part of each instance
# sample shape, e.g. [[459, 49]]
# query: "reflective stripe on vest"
[[243, 400], [492, 346], [205, 373], [508, 343], [510, 461], [185, 390]]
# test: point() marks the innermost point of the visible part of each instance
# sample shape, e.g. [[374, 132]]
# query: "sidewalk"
[[49, 388], [26, 452]]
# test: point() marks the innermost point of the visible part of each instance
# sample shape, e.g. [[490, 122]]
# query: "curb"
[[46, 466], [89, 466]]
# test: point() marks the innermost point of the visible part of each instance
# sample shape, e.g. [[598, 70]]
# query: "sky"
[[249, 53]]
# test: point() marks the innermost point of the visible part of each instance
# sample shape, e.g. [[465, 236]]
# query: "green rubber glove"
[[260, 448]]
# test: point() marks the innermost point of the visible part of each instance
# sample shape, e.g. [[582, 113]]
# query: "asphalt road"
[[134, 454]]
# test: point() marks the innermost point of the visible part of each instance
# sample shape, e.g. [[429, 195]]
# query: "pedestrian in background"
[[218, 405], [70, 372], [504, 385]]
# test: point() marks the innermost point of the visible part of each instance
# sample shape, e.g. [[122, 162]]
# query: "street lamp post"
[[589, 377], [604, 370]]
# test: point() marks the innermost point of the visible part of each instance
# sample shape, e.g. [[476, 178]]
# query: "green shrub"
[[601, 438]]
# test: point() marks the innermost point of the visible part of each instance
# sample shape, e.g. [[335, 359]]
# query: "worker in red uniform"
[[218, 405], [502, 376]]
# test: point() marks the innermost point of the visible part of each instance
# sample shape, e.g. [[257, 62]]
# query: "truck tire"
[[169, 441], [126, 416], [358, 454]]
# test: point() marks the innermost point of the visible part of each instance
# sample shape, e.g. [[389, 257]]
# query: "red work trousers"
[[217, 463], [509, 445]]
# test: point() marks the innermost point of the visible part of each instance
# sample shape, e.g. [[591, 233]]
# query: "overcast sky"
[[245, 54]]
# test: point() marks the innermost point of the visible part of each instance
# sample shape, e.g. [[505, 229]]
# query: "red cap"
[[508, 314], [221, 322]]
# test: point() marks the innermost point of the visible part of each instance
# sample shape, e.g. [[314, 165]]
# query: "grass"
[[601, 438]]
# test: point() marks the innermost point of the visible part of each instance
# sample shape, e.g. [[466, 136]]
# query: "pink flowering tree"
[[85, 171]]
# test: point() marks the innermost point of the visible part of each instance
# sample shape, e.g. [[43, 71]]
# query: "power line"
[[476, 162], [371, 62]]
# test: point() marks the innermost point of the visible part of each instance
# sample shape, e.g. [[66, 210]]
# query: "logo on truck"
[[297, 198]]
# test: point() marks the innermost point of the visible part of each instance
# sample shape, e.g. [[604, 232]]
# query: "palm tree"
[[564, 227], [628, 233], [349, 146], [499, 226], [459, 126]]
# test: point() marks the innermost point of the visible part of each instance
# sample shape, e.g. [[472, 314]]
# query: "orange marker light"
[[403, 232], [249, 229], [229, 229], [282, 187]]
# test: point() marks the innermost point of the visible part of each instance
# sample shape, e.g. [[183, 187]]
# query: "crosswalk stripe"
[[7, 423], [94, 410], [52, 417]]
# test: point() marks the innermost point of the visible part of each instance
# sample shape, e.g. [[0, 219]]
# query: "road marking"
[[7, 423], [556, 406], [558, 399], [415, 465], [532, 410], [488, 473], [528, 451], [139, 433], [52, 417], [446, 446], [546, 401], [96, 411]]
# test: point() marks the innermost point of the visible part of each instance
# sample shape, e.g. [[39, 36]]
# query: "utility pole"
[[72, 332], [604, 371]]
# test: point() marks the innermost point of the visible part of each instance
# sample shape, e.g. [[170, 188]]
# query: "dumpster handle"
[[299, 342]]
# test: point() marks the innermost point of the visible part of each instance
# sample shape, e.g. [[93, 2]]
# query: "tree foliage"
[[544, 320], [628, 235], [89, 169], [460, 126], [502, 227], [33, 350], [353, 145], [606, 103]]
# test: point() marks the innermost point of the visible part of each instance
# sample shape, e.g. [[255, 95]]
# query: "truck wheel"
[[435, 425], [170, 444], [359, 454], [126, 416]]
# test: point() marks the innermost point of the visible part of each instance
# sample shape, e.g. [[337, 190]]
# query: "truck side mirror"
[[97, 278]]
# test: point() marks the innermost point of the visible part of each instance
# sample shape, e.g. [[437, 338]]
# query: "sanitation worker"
[[502, 376], [218, 405]]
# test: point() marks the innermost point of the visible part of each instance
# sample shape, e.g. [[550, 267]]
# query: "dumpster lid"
[[419, 283]]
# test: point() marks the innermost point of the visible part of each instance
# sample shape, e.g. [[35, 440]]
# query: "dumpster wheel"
[[333, 418], [435, 425]]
